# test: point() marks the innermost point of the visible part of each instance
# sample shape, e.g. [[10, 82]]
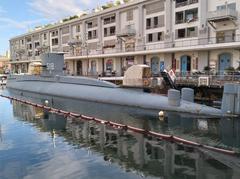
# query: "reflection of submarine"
[[53, 82]]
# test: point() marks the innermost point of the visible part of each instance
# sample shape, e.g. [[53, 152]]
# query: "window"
[[113, 18], [223, 7], [90, 25], [54, 33], [45, 36], [232, 6], [105, 32], [37, 53], [179, 17], [29, 46], [112, 30], [22, 42], [95, 34], [29, 39], [181, 33], [37, 44], [191, 15], [30, 53], [78, 28], [90, 35], [109, 20], [191, 32], [109, 65], [150, 37], [159, 36], [148, 23], [54, 41], [130, 61], [155, 21]]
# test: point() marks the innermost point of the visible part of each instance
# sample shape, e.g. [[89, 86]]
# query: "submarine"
[[53, 82]]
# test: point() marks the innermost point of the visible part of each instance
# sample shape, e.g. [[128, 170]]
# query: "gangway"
[[168, 80]]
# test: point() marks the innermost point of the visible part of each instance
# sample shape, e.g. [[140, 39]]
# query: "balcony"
[[75, 42], [92, 37], [181, 3], [222, 15], [91, 25], [127, 32], [154, 26], [210, 42], [181, 21]]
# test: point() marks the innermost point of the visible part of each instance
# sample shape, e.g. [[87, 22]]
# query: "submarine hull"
[[87, 89]]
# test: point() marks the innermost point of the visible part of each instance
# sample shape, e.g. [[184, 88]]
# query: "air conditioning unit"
[[203, 81]]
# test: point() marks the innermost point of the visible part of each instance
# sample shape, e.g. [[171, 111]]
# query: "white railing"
[[127, 32], [222, 13], [185, 3]]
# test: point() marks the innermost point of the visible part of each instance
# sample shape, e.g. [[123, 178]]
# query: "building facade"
[[184, 35], [4, 64]]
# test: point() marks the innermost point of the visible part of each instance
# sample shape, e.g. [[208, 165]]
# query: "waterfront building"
[[4, 63], [184, 35]]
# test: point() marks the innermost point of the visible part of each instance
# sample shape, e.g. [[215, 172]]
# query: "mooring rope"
[[117, 126]]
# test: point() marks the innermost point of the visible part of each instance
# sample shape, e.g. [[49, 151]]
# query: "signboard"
[[50, 66], [203, 81]]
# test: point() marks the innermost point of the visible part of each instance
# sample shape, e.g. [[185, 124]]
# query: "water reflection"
[[223, 132], [147, 156]]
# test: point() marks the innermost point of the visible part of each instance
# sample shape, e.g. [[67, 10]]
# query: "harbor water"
[[38, 144]]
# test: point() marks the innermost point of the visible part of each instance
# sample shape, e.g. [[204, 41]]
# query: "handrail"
[[222, 13]]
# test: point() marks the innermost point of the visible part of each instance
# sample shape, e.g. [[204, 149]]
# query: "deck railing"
[[217, 80]]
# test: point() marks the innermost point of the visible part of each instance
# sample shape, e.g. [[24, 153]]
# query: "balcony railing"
[[222, 14], [185, 3], [109, 21], [89, 26], [155, 26], [215, 80], [127, 32], [193, 42], [92, 37], [181, 21]]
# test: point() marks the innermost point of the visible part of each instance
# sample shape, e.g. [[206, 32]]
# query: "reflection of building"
[[143, 154], [185, 35], [148, 155]]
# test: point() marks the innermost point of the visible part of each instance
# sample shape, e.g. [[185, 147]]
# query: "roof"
[[85, 17]]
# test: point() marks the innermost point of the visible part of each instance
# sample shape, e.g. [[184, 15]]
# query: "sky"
[[19, 16]]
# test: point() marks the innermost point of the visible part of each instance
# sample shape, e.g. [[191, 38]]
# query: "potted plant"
[[207, 70], [229, 70]]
